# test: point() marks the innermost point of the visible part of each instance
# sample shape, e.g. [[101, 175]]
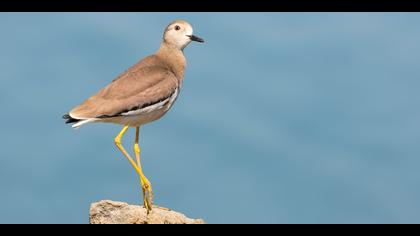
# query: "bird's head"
[[179, 34]]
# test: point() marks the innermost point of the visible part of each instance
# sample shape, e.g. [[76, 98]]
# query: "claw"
[[147, 194], [148, 203]]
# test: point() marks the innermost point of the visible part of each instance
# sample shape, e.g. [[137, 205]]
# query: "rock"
[[110, 212]]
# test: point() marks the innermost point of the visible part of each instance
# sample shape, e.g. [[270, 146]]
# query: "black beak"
[[195, 38]]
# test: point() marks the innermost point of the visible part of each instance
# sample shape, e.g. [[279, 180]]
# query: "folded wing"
[[145, 84]]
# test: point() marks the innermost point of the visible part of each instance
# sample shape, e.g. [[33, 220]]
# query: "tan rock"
[[111, 212]]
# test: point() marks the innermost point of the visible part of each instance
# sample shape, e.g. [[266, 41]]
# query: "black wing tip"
[[70, 119]]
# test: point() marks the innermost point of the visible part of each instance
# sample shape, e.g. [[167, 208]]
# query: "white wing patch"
[[157, 106]]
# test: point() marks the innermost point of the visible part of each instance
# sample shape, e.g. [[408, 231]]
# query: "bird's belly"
[[140, 119]]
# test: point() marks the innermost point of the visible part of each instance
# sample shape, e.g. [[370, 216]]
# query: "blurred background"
[[283, 117]]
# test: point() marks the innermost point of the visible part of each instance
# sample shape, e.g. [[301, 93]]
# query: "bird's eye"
[[177, 27]]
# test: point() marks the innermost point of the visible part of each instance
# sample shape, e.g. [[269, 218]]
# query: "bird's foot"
[[147, 195]]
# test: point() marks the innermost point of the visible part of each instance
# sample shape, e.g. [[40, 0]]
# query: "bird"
[[141, 94]]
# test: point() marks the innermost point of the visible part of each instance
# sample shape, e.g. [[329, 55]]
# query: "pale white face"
[[179, 34]]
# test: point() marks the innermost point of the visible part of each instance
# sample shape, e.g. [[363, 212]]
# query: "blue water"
[[283, 118]]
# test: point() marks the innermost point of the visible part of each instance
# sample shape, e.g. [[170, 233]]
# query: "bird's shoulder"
[[142, 76], [145, 65]]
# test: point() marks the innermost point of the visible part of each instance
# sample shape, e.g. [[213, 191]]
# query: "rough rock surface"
[[111, 212]]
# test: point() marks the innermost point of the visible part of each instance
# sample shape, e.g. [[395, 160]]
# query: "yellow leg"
[[138, 169], [145, 183]]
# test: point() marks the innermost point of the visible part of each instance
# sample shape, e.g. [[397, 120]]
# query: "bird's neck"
[[174, 57]]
